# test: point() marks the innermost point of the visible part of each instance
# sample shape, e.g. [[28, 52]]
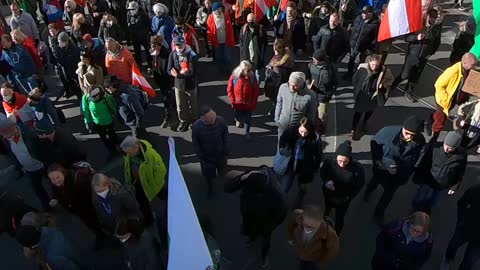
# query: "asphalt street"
[[358, 236]]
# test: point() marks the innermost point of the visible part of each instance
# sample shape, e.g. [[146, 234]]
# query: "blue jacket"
[[397, 250], [129, 105], [388, 147], [57, 251], [20, 60], [163, 26]]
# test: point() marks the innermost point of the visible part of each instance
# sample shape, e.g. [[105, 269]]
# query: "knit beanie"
[[28, 236], [44, 126], [412, 124], [345, 149], [216, 6], [319, 55], [453, 139], [63, 37], [297, 78]]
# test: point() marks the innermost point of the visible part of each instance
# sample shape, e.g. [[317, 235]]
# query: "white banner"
[[187, 247]]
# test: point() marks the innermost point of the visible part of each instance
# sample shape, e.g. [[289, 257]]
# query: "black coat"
[[312, 153], [115, 32], [373, 97], [262, 205], [299, 38], [12, 210], [160, 71], [77, 34], [245, 37], [68, 58], [347, 181], [138, 26], [333, 41], [468, 207], [324, 80], [440, 170], [462, 44], [64, 149], [187, 81], [316, 23], [421, 49], [364, 34]]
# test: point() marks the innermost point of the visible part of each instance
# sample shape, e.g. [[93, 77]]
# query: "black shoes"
[[182, 127], [410, 97]]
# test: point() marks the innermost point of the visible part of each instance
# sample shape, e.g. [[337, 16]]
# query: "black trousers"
[[357, 116], [138, 43], [351, 61], [340, 212], [472, 253], [36, 177], [412, 70], [107, 135]]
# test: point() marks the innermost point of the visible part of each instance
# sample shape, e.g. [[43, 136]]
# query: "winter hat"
[[412, 124], [63, 37], [216, 6], [44, 126], [367, 9], [160, 8], [345, 149], [132, 5], [453, 139], [28, 236], [204, 110], [297, 78], [87, 37], [319, 55], [179, 40]]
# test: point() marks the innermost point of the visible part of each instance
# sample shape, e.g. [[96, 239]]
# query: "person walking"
[[332, 39], [294, 101], [162, 24], [466, 231], [80, 27], [95, 48], [421, 45], [290, 27], [314, 241], [395, 152], [404, 244], [371, 83], [262, 205], [242, 92], [253, 42], [441, 168], [99, 109], [16, 105], [89, 73], [182, 66], [110, 28], [210, 142], [468, 120], [220, 36], [24, 21], [464, 40], [144, 172], [182, 28], [138, 29], [201, 21], [42, 106], [68, 56], [343, 178]]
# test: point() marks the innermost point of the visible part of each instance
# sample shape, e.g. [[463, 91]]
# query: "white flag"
[[187, 247]]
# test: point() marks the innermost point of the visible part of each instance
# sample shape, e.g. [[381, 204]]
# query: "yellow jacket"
[[446, 85]]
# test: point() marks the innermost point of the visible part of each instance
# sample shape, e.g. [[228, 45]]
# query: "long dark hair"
[[307, 123]]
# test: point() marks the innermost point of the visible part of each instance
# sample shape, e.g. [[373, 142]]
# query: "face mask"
[[109, 23], [125, 239], [307, 232], [7, 98], [133, 12], [180, 50], [104, 193]]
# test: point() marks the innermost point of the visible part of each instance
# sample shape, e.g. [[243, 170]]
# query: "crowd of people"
[[87, 44]]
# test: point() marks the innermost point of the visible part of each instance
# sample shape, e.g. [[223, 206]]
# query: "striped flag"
[[187, 249], [401, 17], [283, 5], [476, 16], [261, 8], [140, 81]]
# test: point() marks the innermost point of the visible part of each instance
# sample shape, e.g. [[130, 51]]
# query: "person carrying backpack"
[[98, 109], [262, 204], [131, 104], [322, 79], [242, 91]]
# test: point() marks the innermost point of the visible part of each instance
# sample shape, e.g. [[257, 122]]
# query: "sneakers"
[[265, 262], [238, 124], [164, 123], [462, 8], [182, 127]]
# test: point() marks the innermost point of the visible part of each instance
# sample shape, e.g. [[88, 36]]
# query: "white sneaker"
[[462, 8]]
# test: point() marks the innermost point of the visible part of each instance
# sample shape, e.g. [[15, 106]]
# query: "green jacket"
[[100, 113], [152, 170]]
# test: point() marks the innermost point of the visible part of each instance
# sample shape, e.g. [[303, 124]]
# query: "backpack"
[[324, 77], [235, 79]]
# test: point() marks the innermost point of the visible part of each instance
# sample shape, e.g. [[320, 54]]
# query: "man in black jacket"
[[363, 39], [421, 45], [253, 41], [139, 29], [291, 27], [466, 231], [442, 167], [68, 56], [332, 39], [182, 65]]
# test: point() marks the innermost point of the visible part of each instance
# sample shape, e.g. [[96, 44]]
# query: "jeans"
[[36, 177], [472, 254], [223, 58], [244, 117], [424, 199], [187, 106], [306, 265], [107, 135]]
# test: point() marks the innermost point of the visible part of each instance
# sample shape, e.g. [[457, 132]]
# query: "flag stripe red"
[[139, 80], [283, 4], [414, 12], [384, 30]]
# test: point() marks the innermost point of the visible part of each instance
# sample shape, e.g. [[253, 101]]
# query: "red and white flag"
[[283, 5], [140, 81], [401, 17], [261, 8]]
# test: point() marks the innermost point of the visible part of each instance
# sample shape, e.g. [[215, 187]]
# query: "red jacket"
[[243, 94], [191, 39], [212, 32], [120, 65], [30, 46]]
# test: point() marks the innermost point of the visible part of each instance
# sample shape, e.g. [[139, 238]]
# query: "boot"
[[409, 92], [165, 119]]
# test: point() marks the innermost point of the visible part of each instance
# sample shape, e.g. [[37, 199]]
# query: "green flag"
[[476, 15]]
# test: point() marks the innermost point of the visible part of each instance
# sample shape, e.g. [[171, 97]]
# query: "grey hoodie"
[[26, 24]]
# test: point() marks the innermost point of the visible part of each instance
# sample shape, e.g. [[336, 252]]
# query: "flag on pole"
[[261, 8], [283, 5], [476, 16], [401, 17], [140, 81], [187, 248]]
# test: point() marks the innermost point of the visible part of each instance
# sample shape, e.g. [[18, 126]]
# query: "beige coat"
[[89, 76]]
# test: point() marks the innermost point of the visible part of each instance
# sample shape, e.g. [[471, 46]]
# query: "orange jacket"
[[212, 32], [120, 65]]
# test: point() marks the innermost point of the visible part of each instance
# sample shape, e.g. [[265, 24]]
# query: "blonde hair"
[[74, 4], [420, 219], [18, 36], [245, 64], [78, 19], [100, 180]]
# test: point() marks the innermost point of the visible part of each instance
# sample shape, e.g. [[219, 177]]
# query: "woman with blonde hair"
[[21, 39], [112, 201], [80, 27], [242, 91], [404, 244], [109, 28]]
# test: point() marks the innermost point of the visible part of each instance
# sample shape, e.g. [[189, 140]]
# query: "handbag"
[[280, 163]]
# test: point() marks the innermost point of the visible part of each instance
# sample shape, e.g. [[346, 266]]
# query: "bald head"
[[251, 17], [468, 61]]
